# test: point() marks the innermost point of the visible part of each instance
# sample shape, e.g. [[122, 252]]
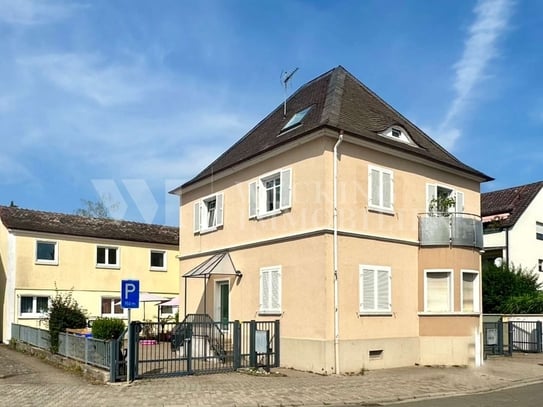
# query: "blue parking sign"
[[130, 293]]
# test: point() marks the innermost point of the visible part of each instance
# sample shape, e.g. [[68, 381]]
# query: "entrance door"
[[222, 301]]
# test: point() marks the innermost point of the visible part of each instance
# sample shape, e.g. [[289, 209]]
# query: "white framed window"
[[33, 306], [380, 189], [168, 310], [270, 290], [208, 213], [443, 199], [46, 252], [438, 291], [157, 260], [470, 291], [107, 256], [111, 307], [374, 289], [540, 265], [539, 230], [270, 194]]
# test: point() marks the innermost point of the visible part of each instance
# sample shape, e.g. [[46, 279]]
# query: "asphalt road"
[[524, 396]]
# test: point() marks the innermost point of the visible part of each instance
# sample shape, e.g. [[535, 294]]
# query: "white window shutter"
[[374, 193], [431, 193], [197, 216], [387, 190], [219, 209], [286, 188], [383, 290], [253, 199], [275, 291], [459, 201], [264, 290], [368, 290]]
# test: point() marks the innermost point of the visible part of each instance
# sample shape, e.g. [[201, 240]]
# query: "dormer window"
[[296, 119], [397, 133]]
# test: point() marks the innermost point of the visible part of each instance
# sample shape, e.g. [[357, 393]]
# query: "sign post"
[[130, 298]]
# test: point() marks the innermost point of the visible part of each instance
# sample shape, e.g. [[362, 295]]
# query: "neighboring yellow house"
[[349, 224], [41, 251]]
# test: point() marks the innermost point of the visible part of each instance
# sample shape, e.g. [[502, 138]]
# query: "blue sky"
[[125, 100]]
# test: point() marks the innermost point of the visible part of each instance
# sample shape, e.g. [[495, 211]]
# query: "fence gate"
[[526, 336], [198, 345], [493, 337]]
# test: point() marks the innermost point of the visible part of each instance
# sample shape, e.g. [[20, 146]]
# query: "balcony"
[[450, 229]]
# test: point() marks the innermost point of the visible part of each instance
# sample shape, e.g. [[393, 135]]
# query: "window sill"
[[269, 214], [106, 266], [32, 316], [384, 211], [208, 230], [47, 262], [270, 313], [375, 314], [162, 269], [449, 314]]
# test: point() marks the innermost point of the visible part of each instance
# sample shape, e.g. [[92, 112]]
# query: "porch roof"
[[220, 265]]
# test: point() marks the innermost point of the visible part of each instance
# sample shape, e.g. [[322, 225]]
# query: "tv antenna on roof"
[[285, 77]]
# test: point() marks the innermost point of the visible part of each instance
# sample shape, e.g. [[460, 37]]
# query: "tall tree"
[[95, 209]]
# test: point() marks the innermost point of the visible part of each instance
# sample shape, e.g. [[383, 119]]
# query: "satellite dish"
[[498, 261]]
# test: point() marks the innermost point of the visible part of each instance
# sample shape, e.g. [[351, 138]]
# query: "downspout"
[[506, 246], [336, 293]]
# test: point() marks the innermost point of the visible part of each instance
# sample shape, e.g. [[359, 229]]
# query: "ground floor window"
[[438, 291], [470, 291], [374, 289], [270, 290], [111, 306], [32, 306]]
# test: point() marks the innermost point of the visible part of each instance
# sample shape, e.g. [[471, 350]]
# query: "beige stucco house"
[[513, 226], [345, 221], [41, 252]]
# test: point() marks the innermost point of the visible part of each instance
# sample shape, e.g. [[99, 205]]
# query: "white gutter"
[[336, 294]]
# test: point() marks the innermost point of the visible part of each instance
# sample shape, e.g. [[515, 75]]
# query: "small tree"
[[107, 328], [502, 284], [97, 209], [64, 313]]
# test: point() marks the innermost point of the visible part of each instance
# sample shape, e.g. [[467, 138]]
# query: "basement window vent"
[[376, 354]]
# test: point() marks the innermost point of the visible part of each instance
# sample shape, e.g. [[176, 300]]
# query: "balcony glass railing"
[[452, 229]]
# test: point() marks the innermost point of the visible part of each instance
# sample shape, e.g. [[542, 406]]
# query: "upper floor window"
[[540, 265], [158, 260], [208, 213], [107, 256], [111, 307], [270, 194], [270, 290], [470, 291], [374, 289], [438, 294], [539, 230], [442, 199], [46, 252], [32, 306], [381, 189], [397, 133]]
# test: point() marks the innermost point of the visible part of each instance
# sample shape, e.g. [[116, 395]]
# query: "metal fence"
[[505, 337], [198, 345], [90, 351]]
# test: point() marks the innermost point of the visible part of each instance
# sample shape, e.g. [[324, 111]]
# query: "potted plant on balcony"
[[440, 205]]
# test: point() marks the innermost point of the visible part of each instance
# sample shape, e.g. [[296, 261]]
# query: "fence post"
[[188, 348], [237, 345], [510, 333], [113, 352], [277, 344], [252, 344], [539, 337]]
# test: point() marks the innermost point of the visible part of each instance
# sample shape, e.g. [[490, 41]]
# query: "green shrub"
[[64, 313], [107, 328], [524, 304]]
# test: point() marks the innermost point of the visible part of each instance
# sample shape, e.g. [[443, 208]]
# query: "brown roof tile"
[[513, 201], [338, 101], [58, 223]]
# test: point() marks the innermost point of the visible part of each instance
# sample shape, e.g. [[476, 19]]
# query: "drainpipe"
[[506, 246], [336, 294]]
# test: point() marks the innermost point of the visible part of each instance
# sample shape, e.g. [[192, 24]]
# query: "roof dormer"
[[397, 133]]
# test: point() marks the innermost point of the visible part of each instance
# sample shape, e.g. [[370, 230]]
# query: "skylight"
[[296, 119]]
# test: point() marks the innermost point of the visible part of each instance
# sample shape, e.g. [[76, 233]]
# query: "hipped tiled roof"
[[62, 224], [512, 201], [339, 101]]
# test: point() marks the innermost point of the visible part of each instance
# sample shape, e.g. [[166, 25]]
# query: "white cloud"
[[30, 12], [491, 21]]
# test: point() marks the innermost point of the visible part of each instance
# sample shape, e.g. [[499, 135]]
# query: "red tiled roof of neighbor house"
[[338, 101], [74, 225], [511, 202]]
